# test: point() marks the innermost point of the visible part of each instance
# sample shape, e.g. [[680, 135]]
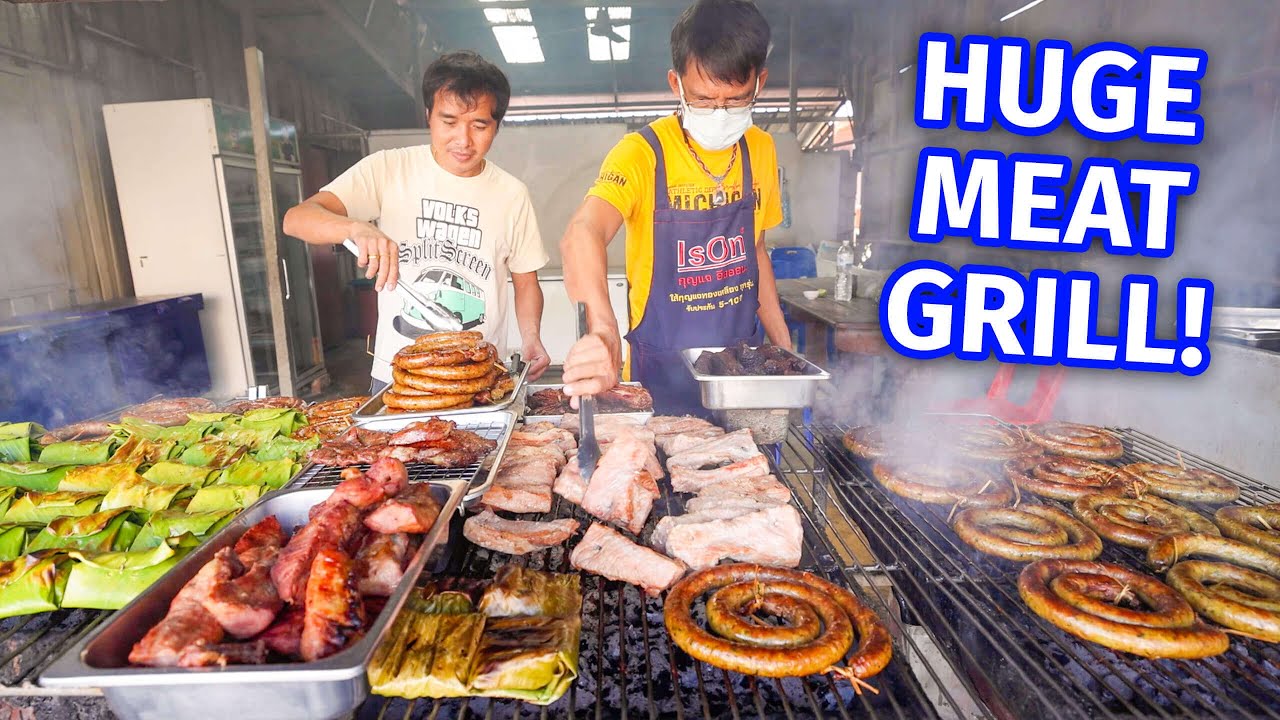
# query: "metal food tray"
[[1246, 318], [643, 417], [373, 408], [1262, 339], [495, 426], [756, 392], [327, 688]]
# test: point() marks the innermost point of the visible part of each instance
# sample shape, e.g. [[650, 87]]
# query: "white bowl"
[[812, 294]]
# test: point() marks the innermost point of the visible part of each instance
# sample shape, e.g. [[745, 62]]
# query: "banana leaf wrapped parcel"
[[225, 497], [78, 452], [98, 478], [176, 473], [109, 580], [138, 451], [13, 542], [168, 524], [102, 531], [247, 471], [16, 439], [211, 452], [284, 421], [33, 475], [440, 646], [33, 583], [40, 508], [281, 448]]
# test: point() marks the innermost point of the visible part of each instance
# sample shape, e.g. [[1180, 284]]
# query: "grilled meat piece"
[[551, 401], [570, 485], [679, 442], [285, 634], [380, 563], [240, 407], [247, 605], [357, 489], [413, 511], [332, 526], [516, 537], [530, 498], [605, 552], [741, 504], [431, 431], [392, 473], [742, 359], [728, 448], [187, 623], [685, 479], [333, 613], [770, 537], [543, 434], [89, 430], [764, 488], [223, 654], [533, 454], [261, 543], [168, 411], [621, 489]]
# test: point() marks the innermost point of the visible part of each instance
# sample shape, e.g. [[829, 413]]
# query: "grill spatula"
[[588, 448]]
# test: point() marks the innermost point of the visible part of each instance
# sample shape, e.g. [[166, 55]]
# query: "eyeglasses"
[[706, 107]]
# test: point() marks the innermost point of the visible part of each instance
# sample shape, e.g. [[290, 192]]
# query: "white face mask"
[[714, 129]]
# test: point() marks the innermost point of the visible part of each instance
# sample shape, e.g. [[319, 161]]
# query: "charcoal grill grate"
[[628, 667], [1028, 668]]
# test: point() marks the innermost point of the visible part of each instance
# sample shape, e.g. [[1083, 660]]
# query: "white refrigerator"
[[187, 189]]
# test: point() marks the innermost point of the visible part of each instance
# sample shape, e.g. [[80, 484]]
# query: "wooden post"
[[259, 117], [792, 120]]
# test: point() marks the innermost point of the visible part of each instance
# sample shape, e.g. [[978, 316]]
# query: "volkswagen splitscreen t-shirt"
[[459, 237]]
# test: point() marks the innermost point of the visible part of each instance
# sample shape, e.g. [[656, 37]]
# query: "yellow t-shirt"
[[626, 182]]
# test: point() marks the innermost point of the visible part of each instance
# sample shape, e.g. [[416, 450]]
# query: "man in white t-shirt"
[[451, 223]]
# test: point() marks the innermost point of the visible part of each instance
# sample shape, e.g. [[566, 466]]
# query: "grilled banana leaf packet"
[[78, 452], [225, 497], [284, 421], [104, 531], [40, 508], [176, 473], [33, 583], [97, 478], [168, 524], [33, 475], [282, 448], [13, 541], [441, 647], [109, 580], [247, 471], [16, 440], [137, 492], [211, 452], [138, 451]]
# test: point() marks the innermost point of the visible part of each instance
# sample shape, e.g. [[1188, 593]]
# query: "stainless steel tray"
[[1261, 339], [1246, 318], [496, 426], [755, 392], [328, 688], [374, 409], [643, 417]]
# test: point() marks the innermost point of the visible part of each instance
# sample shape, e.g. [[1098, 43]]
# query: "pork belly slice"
[[621, 490], [187, 624], [285, 634], [741, 504], [673, 424], [762, 488], [331, 526], [380, 563], [413, 511], [728, 448], [689, 479], [357, 489], [247, 605], [606, 552], [223, 654], [391, 474], [516, 537], [539, 462], [261, 543], [769, 537], [543, 434], [430, 431], [518, 499], [715, 511], [334, 612], [570, 485], [607, 426], [679, 442]]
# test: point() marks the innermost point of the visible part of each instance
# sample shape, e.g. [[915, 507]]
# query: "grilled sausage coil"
[[990, 443], [944, 485], [466, 371], [412, 358], [1258, 525], [1074, 440], [1182, 483], [1064, 478], [837, 608], [1027, 533], [1242, 592], [445, 387], [1052, 587], [730, 610], [1138, 522], [415, 403]]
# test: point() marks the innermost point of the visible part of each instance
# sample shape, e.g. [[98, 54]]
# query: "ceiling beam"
[[353, 29]]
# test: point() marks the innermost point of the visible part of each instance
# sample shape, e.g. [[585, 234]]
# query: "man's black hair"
[[468, 76], [728, 38]]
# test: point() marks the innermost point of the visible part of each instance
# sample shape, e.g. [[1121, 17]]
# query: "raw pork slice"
[[688, 479], [762, 488], [516, 537], [621, 490], [768, 537], [606, 552]]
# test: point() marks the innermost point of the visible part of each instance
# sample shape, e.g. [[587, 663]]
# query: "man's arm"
[[770, 312], [322, 220], [529, 320], [594, 360]]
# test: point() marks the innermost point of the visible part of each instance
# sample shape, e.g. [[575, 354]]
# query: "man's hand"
[[592, 365], [379, 253], [536, 356]]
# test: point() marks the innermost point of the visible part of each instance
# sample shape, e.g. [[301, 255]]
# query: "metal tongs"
[[588, 448], [440, 319]]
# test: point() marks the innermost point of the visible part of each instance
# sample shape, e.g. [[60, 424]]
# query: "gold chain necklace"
[[718, 198]]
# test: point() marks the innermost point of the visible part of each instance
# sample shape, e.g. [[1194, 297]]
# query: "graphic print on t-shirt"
[[437, 265]]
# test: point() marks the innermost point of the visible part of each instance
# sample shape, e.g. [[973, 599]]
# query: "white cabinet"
[[559, 319]]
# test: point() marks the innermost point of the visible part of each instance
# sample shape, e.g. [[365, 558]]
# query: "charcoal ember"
[[775, 367], [727, 364], [705, 364]]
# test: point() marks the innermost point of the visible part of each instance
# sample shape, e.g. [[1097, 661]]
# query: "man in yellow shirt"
[[697, 190]]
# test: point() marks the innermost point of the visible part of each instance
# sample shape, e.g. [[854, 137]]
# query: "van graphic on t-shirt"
[[453, 292]]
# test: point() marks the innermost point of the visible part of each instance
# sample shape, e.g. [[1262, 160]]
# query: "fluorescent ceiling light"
[[615, 13], [845, 110], [598, 46], [509, 16], [902, 70], [519, 43], [1021, 10]]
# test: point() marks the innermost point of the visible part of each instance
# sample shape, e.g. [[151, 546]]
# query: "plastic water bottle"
[[844, 272]]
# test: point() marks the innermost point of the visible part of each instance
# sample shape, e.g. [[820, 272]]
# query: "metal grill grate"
[[629, 667], [1023, 666]]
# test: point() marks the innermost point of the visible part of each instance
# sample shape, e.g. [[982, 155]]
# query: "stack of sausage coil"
[[1066, 478], [820, 621], [941, 484], [331, 418], [1241, 592], [1119, 608], [1074, 440], [1027, 533], [446, 371]]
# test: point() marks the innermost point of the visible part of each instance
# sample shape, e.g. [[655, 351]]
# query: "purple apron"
[[704, 290]]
